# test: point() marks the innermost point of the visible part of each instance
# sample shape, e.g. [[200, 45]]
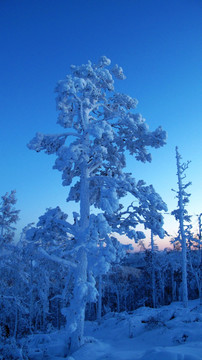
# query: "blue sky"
[[158, 44]]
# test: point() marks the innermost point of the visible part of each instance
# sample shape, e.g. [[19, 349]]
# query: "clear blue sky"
[[158, 44]]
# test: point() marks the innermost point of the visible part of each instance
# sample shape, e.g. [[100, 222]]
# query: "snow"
[[167, 333]]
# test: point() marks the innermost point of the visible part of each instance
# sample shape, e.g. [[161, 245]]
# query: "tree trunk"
[[173, 284], [118, 300], [58, 314], [78, 303], [200, 261], [200, 279], [182, 233], [78, 307], [153, 273], [31, 298], [163, 287], [16, 321], [99, 311]]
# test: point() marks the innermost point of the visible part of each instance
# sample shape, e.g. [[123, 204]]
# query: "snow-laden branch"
[[56, 259]]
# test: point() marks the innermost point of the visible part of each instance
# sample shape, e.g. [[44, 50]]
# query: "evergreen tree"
[[8, 217], [105, 126], [45, 247]]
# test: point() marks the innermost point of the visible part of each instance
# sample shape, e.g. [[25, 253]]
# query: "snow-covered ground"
[[168, 333]]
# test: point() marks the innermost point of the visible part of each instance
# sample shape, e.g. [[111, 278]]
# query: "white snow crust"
[[167, 333]]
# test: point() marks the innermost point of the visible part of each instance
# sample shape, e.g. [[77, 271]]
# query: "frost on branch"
[[49, 143], [118, 72], [104, 61]]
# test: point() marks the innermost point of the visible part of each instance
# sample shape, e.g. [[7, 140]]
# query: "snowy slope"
[[168, 333]]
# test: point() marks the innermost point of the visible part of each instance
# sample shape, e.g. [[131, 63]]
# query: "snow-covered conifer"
[[103, 125], [46, 246], [8, 217]]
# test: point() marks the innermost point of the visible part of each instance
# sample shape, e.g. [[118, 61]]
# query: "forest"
[[61, 278]]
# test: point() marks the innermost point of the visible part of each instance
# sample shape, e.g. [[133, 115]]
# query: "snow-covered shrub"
[[180, 339], [10, 351], [153, 322]]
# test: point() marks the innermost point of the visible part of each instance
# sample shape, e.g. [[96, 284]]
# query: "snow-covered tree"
[[194, 257], [182, 216], [45, 248], [104, 126], [109, 253], [8, 217], [200, 259], [12, 280], [13, 289], [148, 213], [153, 270]]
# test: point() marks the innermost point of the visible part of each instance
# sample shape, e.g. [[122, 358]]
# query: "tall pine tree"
[[91, 158]]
